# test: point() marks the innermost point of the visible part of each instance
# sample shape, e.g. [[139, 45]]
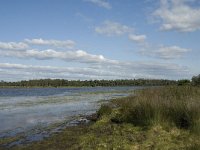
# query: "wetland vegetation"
[[156, 118]]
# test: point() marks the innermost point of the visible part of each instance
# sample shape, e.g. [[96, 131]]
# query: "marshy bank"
[[156, 118]]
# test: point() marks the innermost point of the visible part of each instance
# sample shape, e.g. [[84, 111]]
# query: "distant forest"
[[91, 83]]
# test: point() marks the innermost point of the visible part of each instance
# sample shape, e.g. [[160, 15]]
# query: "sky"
[[99, 39]]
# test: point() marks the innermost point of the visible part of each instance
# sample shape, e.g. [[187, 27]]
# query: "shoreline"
[[31, 87], [49, 131]]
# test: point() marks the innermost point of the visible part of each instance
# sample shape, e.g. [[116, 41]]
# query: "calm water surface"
[[23, 109]]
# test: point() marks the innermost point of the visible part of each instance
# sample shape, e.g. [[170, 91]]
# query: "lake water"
[[25, 109]]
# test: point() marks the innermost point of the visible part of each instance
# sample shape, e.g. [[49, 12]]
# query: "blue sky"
[[99, 39]]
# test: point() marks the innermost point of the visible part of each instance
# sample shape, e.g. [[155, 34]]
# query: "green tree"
[[183, 82], [196, 80]]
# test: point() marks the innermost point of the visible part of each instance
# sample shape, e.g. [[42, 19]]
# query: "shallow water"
[[24, 110]]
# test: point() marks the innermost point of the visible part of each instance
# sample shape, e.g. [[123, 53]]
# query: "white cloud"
[[137, 38], [122, 70], [55, 70], [163, 52], [100, 3], [22, 50], [95, 66], [30, 72], [77, 56], [55, 43], [13, 46], [152, 69], [171, 52], [178, 15], [110, 28]]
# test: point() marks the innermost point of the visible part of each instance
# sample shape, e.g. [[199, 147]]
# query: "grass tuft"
[[105, 109]]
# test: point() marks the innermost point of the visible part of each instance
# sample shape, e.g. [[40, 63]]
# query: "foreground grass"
[[158, 118]]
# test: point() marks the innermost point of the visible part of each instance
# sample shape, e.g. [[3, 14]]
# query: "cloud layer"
[[13, 46], [178, 15], [76, 56], [95, 66], [122, 70], [55, 43], [110, 28], [165, 52]]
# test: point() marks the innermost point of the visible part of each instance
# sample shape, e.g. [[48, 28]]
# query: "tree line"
[[92, 83]]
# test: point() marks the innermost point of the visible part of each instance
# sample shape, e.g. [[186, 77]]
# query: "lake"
[[26, 110]]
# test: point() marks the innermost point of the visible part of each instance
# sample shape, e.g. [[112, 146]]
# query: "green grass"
[[175, 106], [164, 118]]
